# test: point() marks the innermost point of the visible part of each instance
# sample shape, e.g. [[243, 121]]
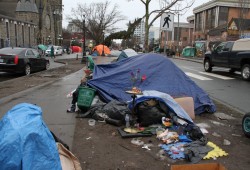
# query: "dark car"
[[22, 60]]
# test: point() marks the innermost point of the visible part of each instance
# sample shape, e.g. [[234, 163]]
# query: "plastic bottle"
[[127, 120]]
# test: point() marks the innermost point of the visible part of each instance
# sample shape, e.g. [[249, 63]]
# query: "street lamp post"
[[60, 38], [103, 54], [84, 39]]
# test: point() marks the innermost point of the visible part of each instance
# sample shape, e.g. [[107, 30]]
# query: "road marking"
[[217, 76], [197, 76]]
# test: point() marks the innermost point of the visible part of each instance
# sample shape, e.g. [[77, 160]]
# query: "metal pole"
[[84, 50], [165, 39], [103, 54], [178, 31]]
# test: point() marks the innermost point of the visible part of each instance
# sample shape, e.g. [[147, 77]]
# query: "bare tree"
[[96, 17], [168, 4]]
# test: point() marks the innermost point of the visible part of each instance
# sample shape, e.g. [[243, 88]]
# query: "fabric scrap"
[[216, 152]]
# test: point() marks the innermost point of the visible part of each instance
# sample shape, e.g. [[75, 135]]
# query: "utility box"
[[208, 166]]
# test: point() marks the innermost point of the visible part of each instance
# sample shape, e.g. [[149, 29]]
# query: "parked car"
[[58, 50], [231, 54], [22, 60]]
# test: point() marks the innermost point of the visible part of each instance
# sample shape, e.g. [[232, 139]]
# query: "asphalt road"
[[220, 84]]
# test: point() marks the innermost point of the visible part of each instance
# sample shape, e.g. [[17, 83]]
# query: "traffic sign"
[[167, 21]]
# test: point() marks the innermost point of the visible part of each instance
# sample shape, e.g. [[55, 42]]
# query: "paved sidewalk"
[[193, 59]]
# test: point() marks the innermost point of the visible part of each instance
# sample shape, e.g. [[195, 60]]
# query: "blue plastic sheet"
[[25, 141], [112, 80]]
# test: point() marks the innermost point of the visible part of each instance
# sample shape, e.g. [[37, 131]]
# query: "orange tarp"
[[99, 48]]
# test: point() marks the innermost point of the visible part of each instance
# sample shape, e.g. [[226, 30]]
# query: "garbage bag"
[[150, 112], [26, 141]]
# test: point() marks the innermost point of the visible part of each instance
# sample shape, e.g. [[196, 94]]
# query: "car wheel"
[[27, 70], [245, 72], [47, 65], [246, 125], [207, 65], [232, 70]]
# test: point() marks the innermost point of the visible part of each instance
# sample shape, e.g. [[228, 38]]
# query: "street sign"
[[167, 21]]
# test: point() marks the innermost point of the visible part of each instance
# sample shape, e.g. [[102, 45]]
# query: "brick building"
[[27, 23], [212, 19]]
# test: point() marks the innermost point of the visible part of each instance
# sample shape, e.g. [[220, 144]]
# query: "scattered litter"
[[216, 134], [137, 142], [216, 152], [203, 125], [71, 94], [146, 146], [223, 116], [226, 142], [161, 155], [204, 131], [217, 123], [236, 135], [175, 151], [88, 138], [113, 133], [91, 122]]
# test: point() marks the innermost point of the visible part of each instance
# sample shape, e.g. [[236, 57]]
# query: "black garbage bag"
[[116, 110], [150, 112]]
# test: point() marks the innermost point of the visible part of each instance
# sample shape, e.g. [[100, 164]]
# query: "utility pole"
[[84, 39], [178, 36]]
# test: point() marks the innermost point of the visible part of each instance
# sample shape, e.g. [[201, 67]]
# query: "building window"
[[177, 33], [29, 37], [7, 30], [184, 38], [210, 18], [198, 22], [223, 15]]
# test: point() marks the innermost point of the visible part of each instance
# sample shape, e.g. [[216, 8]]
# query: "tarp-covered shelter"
[[25, 140], [112, 80], [126, 53], [100, 48]]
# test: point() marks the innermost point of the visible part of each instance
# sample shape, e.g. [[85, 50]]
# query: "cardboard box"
[[208, 166], [187, 103]]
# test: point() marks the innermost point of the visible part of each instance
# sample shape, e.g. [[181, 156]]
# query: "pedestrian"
[[52, 52], [72, 109]]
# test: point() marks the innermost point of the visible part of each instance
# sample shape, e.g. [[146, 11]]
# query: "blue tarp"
[[112, 80], [166, 99], [25, 140]]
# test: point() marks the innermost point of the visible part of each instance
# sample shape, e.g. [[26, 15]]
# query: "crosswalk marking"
[[197, 76], [217, 76]]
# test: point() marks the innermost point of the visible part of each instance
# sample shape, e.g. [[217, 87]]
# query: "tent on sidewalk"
[[100, 48], [127, 53], [26, 142], [76, 49], [112, 80], [42, 47]]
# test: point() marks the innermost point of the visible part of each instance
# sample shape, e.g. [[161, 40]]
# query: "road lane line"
[[197, 76], [217, 76]]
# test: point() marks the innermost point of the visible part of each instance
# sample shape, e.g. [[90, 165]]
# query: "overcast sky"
[[133, 9]]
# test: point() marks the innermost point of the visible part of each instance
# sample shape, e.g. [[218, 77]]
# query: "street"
[[219, 84]]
